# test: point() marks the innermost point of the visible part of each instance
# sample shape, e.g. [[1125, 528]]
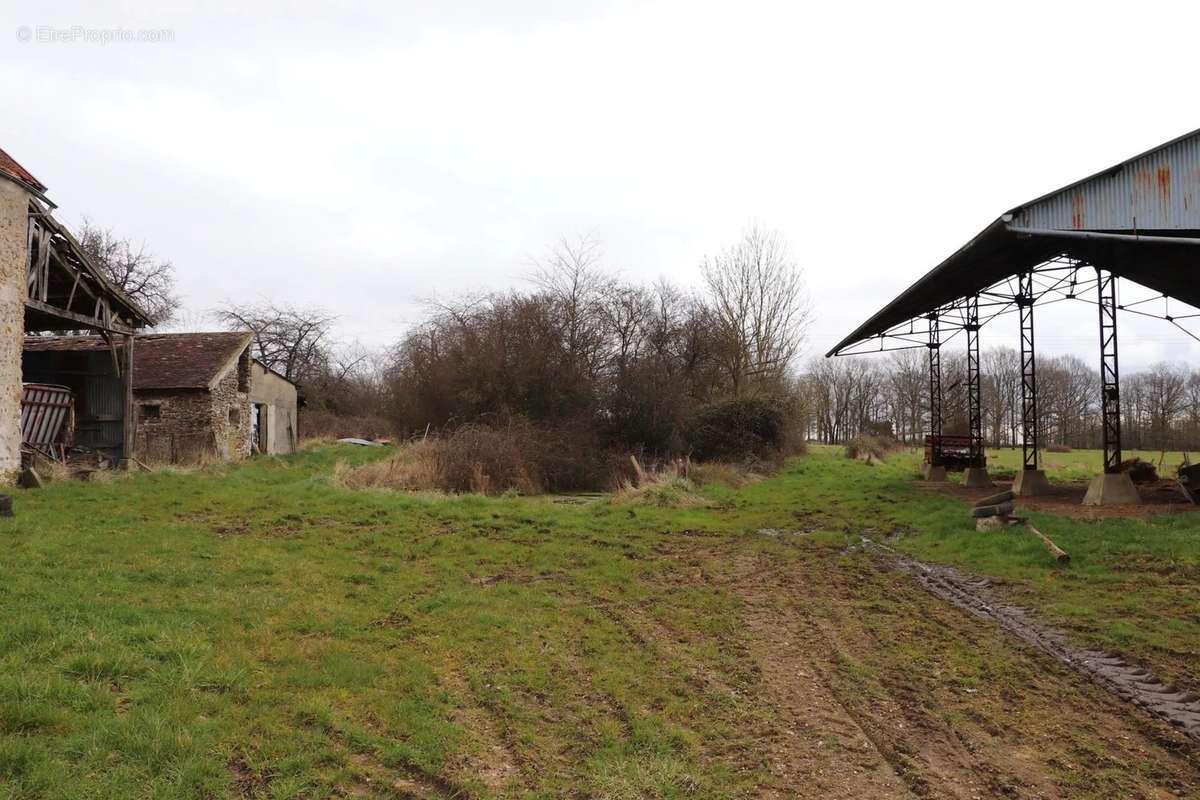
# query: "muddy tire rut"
[[1178, 707], [861, 667]]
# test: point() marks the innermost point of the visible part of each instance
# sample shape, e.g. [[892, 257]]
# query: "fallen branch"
[[637, 469], [1059, 554]]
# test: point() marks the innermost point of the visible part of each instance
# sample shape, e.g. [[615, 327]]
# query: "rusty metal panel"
[[1157, 191], [45, 412]]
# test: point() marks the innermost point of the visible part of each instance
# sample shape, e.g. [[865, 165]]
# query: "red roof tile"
[[9, 166], [163, 360]]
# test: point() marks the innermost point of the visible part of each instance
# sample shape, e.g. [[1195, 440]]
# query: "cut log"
[[1059, 554], [996, 499]]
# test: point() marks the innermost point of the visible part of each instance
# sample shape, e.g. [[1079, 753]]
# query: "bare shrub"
[[1057, 448], [718, 472], [320, 424], [736, 430], [486, 459], [1139, 471], [868, 448]]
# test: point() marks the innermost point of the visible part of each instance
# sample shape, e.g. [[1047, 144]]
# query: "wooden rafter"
[[57, 261]]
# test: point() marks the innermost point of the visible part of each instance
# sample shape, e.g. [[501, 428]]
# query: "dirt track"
[[871, 687]]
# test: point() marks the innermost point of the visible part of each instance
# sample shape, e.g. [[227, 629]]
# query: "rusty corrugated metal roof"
[[1154, 194], [1158, 190], [163, 360]]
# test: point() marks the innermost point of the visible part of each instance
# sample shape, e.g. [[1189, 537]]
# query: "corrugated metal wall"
[[99, 395], [104, 400], [1159, 191]]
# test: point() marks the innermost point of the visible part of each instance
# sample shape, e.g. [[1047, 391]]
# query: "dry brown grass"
[[474, 460], [663, 490], [719, 472]]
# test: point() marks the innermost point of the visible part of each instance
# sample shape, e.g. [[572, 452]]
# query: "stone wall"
[[191, 426], [174, 427], [231, 412], [14, 236]]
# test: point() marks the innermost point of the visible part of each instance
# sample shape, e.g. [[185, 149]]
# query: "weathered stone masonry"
[[186, 425], [14, 233]]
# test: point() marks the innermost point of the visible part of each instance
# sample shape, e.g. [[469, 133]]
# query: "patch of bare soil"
[[1066, 498], [494, 761], [879, 689], [246, 782]]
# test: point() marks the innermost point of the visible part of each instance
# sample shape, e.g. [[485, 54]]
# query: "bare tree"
[[759, 308], [1166, 390], [292, 341], [147, 280], [908, 379], [1001, 385], [572, 277]]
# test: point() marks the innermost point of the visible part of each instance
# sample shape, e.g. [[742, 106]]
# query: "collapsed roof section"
[[66, 289], [1139, 220]]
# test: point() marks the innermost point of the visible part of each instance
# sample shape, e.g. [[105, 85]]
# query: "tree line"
[[846, 397], [629, 362]]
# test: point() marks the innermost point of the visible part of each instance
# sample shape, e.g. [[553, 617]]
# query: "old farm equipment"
[[1189, 482], [47, 419], [952, 452]]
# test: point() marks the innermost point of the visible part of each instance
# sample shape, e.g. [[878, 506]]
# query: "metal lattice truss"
[[1060, 279]]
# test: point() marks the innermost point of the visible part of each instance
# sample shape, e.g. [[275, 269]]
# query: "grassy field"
[[1133, 584], [260, 631], [1079, 465]]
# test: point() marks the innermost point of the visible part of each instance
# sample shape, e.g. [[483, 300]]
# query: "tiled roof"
[[163, 360], [9, 166]]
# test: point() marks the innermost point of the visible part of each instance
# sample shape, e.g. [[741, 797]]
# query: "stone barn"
[[196, 396]]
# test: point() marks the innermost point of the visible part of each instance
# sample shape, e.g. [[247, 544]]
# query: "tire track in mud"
[[929, 760], [1174, 705]]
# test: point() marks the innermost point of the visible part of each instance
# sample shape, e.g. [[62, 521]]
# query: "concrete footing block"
[[1031, 483], [935, 474], [976, 478], [1112, 489]]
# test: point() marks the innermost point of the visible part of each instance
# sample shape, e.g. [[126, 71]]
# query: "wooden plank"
[[130, 427], [83, 319]]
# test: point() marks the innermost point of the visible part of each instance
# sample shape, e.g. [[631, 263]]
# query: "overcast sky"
[[360, 159]]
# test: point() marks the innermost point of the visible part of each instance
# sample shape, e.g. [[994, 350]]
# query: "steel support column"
[[974, 398], [1110, 385], [935, 390], [1029, 410]]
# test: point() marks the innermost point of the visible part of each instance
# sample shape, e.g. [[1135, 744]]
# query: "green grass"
[[1133, 584], [1078, 465], [160, 628], [260, 631]]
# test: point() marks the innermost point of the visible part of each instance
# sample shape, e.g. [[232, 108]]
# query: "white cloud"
[[360, 158]]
